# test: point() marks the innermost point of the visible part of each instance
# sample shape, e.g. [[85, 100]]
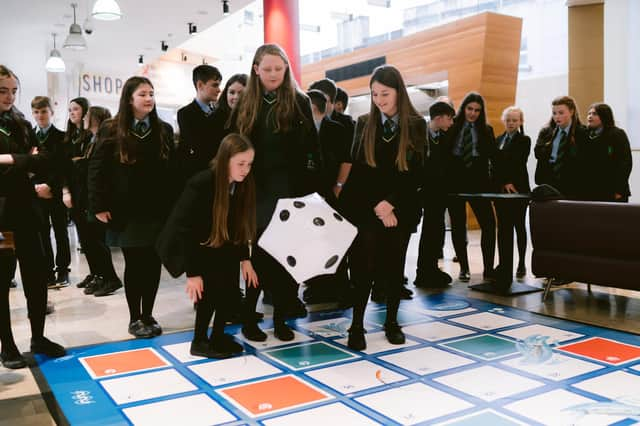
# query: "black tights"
[[141, 280], [378, 255]]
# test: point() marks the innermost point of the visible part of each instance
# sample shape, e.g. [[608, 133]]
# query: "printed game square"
[[272, 341], [556, 334], [405, 317], [558, 368], [561, 408], [332, 414], [195, 410], [487, 321], [485, 346], [308, 355], [617, 386], [377, 342], [273, 395], [181, 352], [437, 313], [484, 418], [399, 404], [488, 383], [125, 390], [328, 328], [425, 361], [604, 350], [231, 370], [355, 376], [116, 363], [436, 330]]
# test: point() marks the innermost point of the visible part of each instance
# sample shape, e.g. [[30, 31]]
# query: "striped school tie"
[[467, 147], [562, 150]]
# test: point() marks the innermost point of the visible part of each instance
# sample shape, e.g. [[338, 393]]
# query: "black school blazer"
[[511, 162]]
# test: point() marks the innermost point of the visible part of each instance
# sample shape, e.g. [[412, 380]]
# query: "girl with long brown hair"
[[209, 233], [381, 197], [132, 181], [276, 116]]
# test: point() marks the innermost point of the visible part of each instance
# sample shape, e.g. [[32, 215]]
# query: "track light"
[[225, 7], [75, 40], [140, 59], [55, 62], [164, 46], [192, 28]]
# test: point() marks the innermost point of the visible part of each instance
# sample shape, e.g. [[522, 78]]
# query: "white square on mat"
[[557, 334], [129, 389], [436, 330], [442, 313], [231, 370], [272, 341], [327, 328], [559, 367], [195, 410], [467, 419], [377, 342], [488, 383], [425, 361], [181, 352], [413, 403], [332, 414], [355, 376], [487, 321], [554, 409], [618, 384]]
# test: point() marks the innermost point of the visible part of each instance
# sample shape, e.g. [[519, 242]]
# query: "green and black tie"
[[467, 147], [389, 130], [270, 97], [141, 130], [562, 150], [41, 135]]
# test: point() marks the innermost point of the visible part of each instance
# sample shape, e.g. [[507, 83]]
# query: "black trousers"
[[517, 212], [221, 283], [8, 266], [142, 268], [31, 257], [96, 251], [484, 213], [432, 234], [378, 255], [55, 214], [274, 278]]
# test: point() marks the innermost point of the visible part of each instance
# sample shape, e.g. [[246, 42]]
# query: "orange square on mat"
[[604, 350], [272, 395], [116, 363]]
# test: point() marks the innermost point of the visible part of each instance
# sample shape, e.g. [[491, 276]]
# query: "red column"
[[281, 26]]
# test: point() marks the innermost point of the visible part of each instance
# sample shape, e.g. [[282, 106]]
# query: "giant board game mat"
[[465, 362]]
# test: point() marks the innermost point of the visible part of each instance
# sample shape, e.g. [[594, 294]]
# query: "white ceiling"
[[27, 25]]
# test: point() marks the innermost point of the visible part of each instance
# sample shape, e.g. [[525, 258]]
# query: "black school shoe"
[[13, 359], [152, 325], [283, 332], [394, 333], [434, 279], [94, 285], [44, 346], [205, 349], [85, 281], [108, 287], [226, 344], [252, 332], [139, 330], [356, 339]]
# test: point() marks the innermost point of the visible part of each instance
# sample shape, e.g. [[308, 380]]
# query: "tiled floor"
[[83, 320]]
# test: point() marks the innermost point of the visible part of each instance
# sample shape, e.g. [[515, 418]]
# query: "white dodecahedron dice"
[[307, 237]]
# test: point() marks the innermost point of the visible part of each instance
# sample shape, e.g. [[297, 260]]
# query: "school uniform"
[[378, 253], [470, 153], [347, 122], [53, 209], [139, 197], [21, 215], [198, 142], [511, 168], [559, 163], [182, 249]]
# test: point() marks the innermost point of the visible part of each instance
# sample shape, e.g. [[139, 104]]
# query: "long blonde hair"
[[251, 99]]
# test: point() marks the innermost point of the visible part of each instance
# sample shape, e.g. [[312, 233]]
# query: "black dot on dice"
[[318, 221], [298, 204], [284, 215], [332, 261], [338, 217], [291, 261]]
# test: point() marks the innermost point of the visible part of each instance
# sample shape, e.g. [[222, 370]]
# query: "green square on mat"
[[486, 346], [308, 355], [405, 317]]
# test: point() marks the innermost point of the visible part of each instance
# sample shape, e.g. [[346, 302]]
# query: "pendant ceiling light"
[[75, 40], [106, 10], [55, 62]]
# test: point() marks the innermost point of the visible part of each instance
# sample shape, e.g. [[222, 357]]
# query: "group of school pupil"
[[128, 185]]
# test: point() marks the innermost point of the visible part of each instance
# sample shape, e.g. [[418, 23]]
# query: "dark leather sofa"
[[590, 242]]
